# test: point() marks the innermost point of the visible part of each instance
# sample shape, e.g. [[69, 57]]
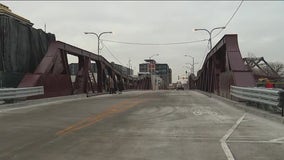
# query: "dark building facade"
[[74, 68], [122, 69], [165, 73], [143, 67]]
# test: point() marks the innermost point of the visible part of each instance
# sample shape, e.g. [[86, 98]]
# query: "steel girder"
[[223, 66], [53, 73], [259, 63]]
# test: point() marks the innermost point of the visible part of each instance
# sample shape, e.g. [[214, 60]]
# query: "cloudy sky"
[[259, 26]]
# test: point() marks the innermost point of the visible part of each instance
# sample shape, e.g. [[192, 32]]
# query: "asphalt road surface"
[[139, 125]]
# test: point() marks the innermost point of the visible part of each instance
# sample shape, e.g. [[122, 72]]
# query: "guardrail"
[[14, 93], [273, 97]]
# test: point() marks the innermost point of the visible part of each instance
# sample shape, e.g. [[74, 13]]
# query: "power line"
[[230, 18], [204, 54], [177, 43], [111, 53], [171, 43]]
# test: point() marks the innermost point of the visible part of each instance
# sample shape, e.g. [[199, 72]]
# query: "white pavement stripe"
[[227, 135], [277, 139], [227, 151], [277, 142]]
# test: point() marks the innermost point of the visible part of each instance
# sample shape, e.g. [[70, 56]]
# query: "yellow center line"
[[117, 108], [84, 120]]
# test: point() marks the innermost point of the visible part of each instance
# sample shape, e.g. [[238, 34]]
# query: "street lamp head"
[[218, 28], [199, 29], [90, 33], [105, 33]]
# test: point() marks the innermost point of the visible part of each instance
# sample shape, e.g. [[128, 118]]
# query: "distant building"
[[143, 67], [165, 73], [74, 68], [161, 70], [124, 70]]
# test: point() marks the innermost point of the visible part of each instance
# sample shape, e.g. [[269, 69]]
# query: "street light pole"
[[210, 33], [99, 66], [193, 63], [98, 36]]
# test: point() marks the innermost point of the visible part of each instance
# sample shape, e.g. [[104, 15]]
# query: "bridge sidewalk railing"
[[272, 97]]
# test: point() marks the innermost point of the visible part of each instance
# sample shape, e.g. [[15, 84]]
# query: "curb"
[[53, 100], [42, 101]]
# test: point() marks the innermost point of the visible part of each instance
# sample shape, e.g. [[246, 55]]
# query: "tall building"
[[149, 67], [160, 69], [165, 73], [143, 67]]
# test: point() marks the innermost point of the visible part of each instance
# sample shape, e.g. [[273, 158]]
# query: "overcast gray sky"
[[259, 26]]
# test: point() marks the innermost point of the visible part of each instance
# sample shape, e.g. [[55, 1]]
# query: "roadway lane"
[[166, 125]]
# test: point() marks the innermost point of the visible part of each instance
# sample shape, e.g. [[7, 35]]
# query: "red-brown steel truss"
[[223, 66], [53, 73]]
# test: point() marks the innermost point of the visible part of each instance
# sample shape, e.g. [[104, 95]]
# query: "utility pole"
[[99, 72], [129, 61], [193, 63]]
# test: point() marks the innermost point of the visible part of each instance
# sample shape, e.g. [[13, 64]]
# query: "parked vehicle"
[[179, 86]]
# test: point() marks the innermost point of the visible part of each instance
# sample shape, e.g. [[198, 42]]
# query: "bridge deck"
[[166, 125]]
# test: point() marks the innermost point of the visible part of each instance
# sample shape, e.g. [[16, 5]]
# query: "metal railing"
[[15, 93], [273, 97]]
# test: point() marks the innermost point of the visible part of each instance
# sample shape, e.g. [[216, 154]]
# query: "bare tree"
[[262, 68], [278, 67]]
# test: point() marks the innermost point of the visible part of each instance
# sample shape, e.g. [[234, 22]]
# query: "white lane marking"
[[277, 142], [223, 140], [227, 151], [277, 139]]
